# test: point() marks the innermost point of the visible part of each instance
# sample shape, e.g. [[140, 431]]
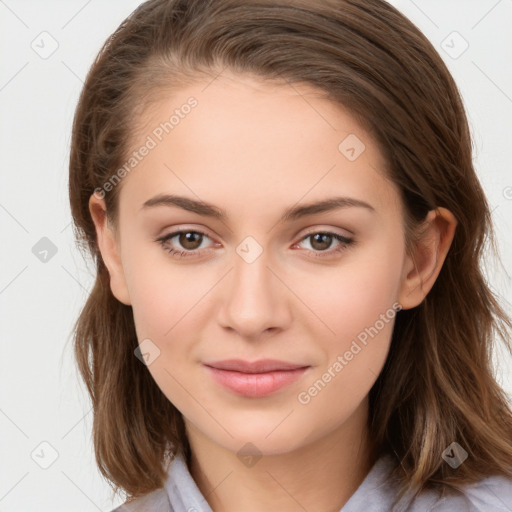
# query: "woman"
[[289, 311]]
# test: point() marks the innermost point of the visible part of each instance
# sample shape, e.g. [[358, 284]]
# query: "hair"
[[437, 385]]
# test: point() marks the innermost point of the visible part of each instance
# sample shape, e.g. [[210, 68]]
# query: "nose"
[[256, 301]]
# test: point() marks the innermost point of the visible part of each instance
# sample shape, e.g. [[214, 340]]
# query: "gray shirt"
[[375, 494]]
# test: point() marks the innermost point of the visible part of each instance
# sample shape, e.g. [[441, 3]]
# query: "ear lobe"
[[109, 248], [423, 267]]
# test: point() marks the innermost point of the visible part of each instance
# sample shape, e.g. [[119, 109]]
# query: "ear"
[[108, 245], [424, 265]]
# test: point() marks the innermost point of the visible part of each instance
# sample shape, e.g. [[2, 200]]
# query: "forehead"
[[248, 144]]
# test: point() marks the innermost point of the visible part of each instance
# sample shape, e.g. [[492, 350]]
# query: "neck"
[[321, 475]]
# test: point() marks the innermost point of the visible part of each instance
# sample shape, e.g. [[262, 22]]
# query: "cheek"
[[163, 293], [360, 311], [358, 304], [170, 305], [353, 296]]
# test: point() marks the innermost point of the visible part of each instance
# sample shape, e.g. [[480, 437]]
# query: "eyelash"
[[344, 244]]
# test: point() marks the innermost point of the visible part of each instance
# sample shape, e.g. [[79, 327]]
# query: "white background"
[[41, 397]]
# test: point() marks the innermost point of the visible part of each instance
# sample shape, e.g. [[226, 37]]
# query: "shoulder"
[[179, 493], [493, 493], [156, 501], [379, 489]]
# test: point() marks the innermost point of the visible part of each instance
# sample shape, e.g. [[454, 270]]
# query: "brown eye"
[[184, 244], [190, 240], [321, 241]]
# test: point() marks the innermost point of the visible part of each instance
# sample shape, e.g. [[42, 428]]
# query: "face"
[[272, 277]]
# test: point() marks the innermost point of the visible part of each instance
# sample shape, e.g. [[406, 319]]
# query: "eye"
[[321, 241], [190, 241]]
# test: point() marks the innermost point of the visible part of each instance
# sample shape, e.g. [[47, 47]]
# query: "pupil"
[[187, 240], [323, 239]]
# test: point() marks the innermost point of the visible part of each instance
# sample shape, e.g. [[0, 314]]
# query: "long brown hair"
[[437, 385]]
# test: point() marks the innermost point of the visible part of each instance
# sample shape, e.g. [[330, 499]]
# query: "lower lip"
[[255, 385]]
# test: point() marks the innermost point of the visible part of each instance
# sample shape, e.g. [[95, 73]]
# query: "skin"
[[255, 149]]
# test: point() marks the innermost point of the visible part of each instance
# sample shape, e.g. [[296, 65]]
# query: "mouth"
[[255, 379]]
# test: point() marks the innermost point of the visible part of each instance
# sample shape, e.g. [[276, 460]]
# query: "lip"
[[260, 366], [255, 379]]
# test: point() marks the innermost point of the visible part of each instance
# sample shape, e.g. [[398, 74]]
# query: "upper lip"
[[261, 366]]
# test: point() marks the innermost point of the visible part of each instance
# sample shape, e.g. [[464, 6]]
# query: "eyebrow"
[[291, 214]]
